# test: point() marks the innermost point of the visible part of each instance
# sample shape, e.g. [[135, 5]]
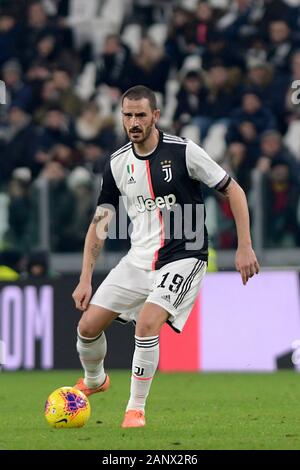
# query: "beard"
[[138, 135]]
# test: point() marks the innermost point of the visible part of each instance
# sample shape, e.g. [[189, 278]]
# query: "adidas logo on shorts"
[[166, 297]]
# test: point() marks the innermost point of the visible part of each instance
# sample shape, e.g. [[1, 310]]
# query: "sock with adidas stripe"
[[144, 365]]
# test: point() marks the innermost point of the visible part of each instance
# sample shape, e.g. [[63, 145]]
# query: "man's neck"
[[147, 147]]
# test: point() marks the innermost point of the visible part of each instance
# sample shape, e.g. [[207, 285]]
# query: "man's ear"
[[156, 115]]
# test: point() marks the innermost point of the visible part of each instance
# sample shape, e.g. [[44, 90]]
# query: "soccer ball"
[[67, 407]]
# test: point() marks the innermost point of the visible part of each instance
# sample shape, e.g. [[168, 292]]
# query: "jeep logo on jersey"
[[158, 203], [167, 170]]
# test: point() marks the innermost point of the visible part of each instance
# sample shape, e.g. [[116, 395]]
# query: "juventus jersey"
[[161, 193]]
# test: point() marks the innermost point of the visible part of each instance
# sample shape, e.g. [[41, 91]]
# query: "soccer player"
[[157, 282]]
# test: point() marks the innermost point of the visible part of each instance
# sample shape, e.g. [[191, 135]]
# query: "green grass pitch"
[[185, 411]]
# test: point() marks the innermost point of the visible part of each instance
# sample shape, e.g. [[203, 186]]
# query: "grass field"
[[185, 411]]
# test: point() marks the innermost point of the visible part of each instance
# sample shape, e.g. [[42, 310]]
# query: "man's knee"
[[150, 321], [94, 320], [87, 328], [146, 328]]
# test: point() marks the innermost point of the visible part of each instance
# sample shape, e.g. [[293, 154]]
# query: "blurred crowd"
[[223, 71]]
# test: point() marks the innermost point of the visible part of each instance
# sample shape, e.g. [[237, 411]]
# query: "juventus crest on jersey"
[[162, 195]]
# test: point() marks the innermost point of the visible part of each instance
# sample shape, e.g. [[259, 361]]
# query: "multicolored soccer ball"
[[67, 407]]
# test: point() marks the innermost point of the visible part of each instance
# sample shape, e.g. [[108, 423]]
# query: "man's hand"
[[82, 295], [246, 263]]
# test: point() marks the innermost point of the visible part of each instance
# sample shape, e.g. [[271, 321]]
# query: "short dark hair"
[[138, 92]]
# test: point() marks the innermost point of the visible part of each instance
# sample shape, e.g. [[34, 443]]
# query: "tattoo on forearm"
[[95, 250]]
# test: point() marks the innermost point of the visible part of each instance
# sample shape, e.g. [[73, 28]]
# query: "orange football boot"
[[134, 419], [80, 385]]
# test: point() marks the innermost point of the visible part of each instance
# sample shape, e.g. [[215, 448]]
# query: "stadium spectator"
[[240, 21], [277, 10], [273, 151], [19, 211], [150, 67], [282, 46], [95, 137], [180, 40], [281, 199], [239, 164], [146, 12], [191, 99], [221, 99], [81, 185], [9, 37], [257, 50], [38, 265], [203, 23], [262, 78], [70, 103], [17, 143], [37, 24], [55, 131], [220, 52], [61, 208], [18, 93], [113, 65], [249, 122], [48, 97], [47, 51]]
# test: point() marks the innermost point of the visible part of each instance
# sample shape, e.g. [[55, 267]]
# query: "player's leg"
[[145, 361], [121, 294], [91, 347], [174, 292]]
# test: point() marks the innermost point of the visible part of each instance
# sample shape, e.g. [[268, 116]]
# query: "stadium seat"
[[191, 131], [190, 5], [131, 36], [291, 138], [103, 100], [85, 85], [114, 11], [158, 33], [214, 143], [169, 108], [192, 62]]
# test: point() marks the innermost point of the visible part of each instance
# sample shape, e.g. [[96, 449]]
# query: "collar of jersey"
[[152, 154]]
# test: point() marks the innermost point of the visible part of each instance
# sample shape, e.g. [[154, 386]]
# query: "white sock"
[[144, 365], [92, 352]]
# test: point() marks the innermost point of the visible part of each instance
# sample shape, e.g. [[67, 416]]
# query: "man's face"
[[112, 45], [251, 103], [271, 145], [258, 75], [279, 31], [138, 119]]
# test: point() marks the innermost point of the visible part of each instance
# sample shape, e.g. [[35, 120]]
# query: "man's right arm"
[[94, 242]]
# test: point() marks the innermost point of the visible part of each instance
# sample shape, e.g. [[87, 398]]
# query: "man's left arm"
[[202, 168], [245, 260]]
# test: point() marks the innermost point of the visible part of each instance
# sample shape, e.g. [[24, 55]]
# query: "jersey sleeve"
[[203, 168], [109, 193]]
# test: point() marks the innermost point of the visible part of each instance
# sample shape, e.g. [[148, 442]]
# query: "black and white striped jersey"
[[163, 198]]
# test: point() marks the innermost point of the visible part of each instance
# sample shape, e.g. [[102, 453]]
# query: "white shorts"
[[174, 287]]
